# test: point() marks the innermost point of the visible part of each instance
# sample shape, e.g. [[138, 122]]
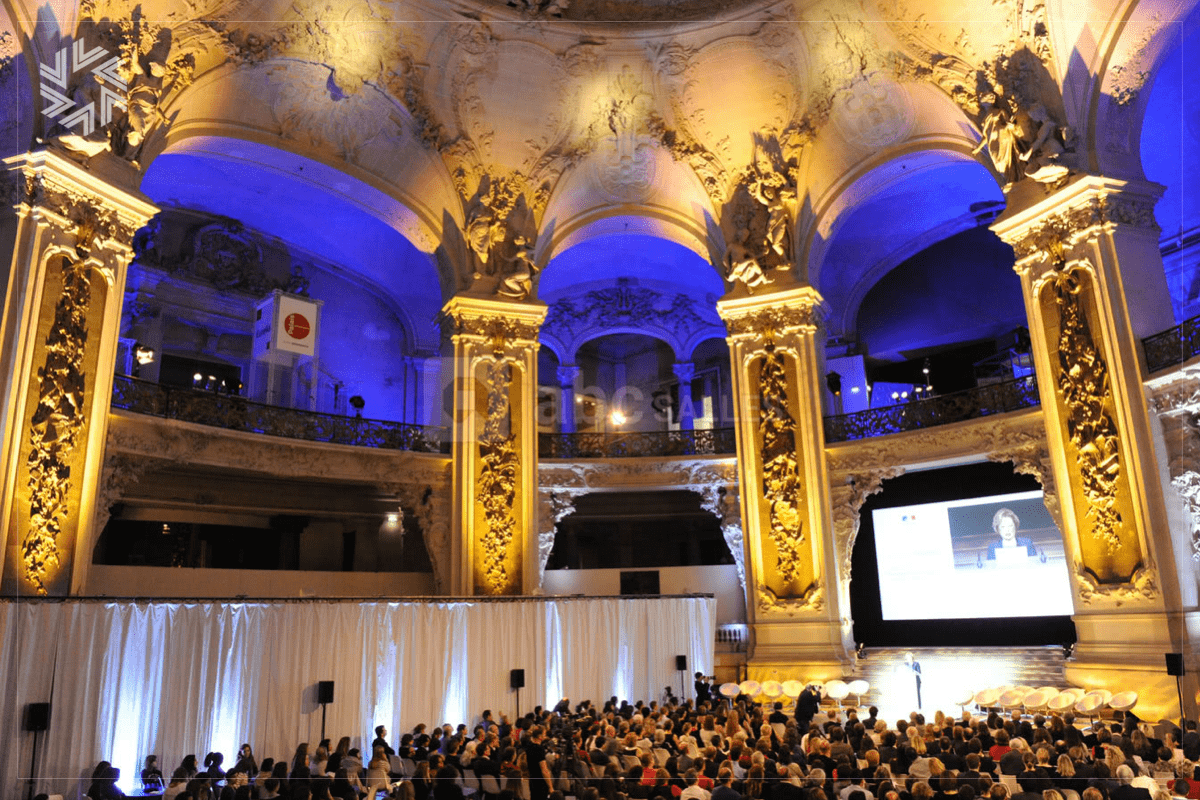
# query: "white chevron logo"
[[62, 108]]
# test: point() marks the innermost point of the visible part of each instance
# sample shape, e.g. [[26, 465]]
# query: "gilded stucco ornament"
[[1142, 587], [500, 234], [431, 503], [847, 501], [758, 218], [781, 485], [1085, 391], [56, 425], [771, 603], [1021, 134], [151, 69], [497, 480]]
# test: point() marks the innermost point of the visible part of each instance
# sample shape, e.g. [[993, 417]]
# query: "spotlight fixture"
[[142, 354], [617, 418]]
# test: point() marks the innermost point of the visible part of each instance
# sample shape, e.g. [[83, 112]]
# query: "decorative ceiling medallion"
[[625, 169], [874, 112]]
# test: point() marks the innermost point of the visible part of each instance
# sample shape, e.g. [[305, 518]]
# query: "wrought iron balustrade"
[[720, 441], [1173, 346], [981, 401], [239, 414]]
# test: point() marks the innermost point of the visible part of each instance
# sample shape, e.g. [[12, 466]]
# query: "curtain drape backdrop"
[[128, 679]]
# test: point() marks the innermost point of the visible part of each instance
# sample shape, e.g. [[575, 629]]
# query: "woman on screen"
[[1006, 524]]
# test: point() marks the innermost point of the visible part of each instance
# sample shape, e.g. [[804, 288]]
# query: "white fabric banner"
[[127, 679]]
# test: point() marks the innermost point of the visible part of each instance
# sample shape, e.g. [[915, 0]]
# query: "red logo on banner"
[[296, 326]]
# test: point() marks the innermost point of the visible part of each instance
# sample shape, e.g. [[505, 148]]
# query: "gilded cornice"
[[76, 201], [776, 315]]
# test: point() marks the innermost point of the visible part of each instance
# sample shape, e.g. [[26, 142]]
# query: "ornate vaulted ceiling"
[[599, 114]]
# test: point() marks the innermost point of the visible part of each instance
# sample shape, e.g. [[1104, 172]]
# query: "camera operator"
[[703, 690]]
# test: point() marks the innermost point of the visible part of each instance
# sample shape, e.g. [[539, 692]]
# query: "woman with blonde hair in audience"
[[732, 726], [1052, 794], [422, 781], [377, 772]]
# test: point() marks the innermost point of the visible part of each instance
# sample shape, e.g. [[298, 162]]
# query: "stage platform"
[[948, 672]]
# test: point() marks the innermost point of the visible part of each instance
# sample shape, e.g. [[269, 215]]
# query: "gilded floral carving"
[[54, 430], [781, 484], [1085, 392], [776, 320], [497, 481]]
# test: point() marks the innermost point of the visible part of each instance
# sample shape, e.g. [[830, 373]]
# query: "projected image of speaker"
[[325, 692], [1175, 665], [37, 717], [516, 679]]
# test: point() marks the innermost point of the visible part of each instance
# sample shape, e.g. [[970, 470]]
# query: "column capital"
[[685, 371], [779, 313], [1043, 233], [99, 207], [567, 374], [503, 324]]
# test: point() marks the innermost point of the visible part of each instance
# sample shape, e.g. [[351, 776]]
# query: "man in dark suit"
[[806, 707], [1191, 741], [703, 690], [915, 666]]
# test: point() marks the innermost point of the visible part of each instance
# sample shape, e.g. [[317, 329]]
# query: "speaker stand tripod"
[[33, 766]]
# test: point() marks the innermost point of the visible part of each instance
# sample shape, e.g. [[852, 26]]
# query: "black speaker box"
[[1175, 664], [681, 663], [325, 692], [516, 679], [37, 717]]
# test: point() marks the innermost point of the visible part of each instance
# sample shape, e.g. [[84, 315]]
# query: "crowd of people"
[[711, 750]]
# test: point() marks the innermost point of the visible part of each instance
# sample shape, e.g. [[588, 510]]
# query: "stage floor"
[[947, 674]]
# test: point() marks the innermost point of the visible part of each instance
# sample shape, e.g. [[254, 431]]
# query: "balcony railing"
[[239, 414], [1173, 346], [982, 401], [631, 445]]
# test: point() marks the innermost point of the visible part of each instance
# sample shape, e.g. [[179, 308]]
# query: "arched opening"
[[242, 220], [626, 382], [1170, 150], [919, 290]]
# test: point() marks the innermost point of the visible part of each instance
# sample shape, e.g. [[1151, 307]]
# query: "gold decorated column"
[[1093, 285], [794, 616], [61, 318], [495, 444]]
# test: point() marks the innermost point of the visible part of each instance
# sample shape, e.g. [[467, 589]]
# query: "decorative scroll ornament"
[[781, 484], [1083, 384], [553, 506], [498, 476], [758, 218], [149, 70], [540, 9], [55, 427], [501, 235], [847, 503], [1141, 587], [1052, 238], [771, 603]]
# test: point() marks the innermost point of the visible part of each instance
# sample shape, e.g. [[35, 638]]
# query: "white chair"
[[628, 762], [1011, 782], [491, 787], [660, 756], [470, 783], [394, 765], [408, 767], [780, 729]]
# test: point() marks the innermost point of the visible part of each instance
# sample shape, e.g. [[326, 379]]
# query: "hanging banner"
[[287, 325]]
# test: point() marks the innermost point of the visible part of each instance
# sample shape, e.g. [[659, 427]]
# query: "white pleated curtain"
[[129, 679]]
